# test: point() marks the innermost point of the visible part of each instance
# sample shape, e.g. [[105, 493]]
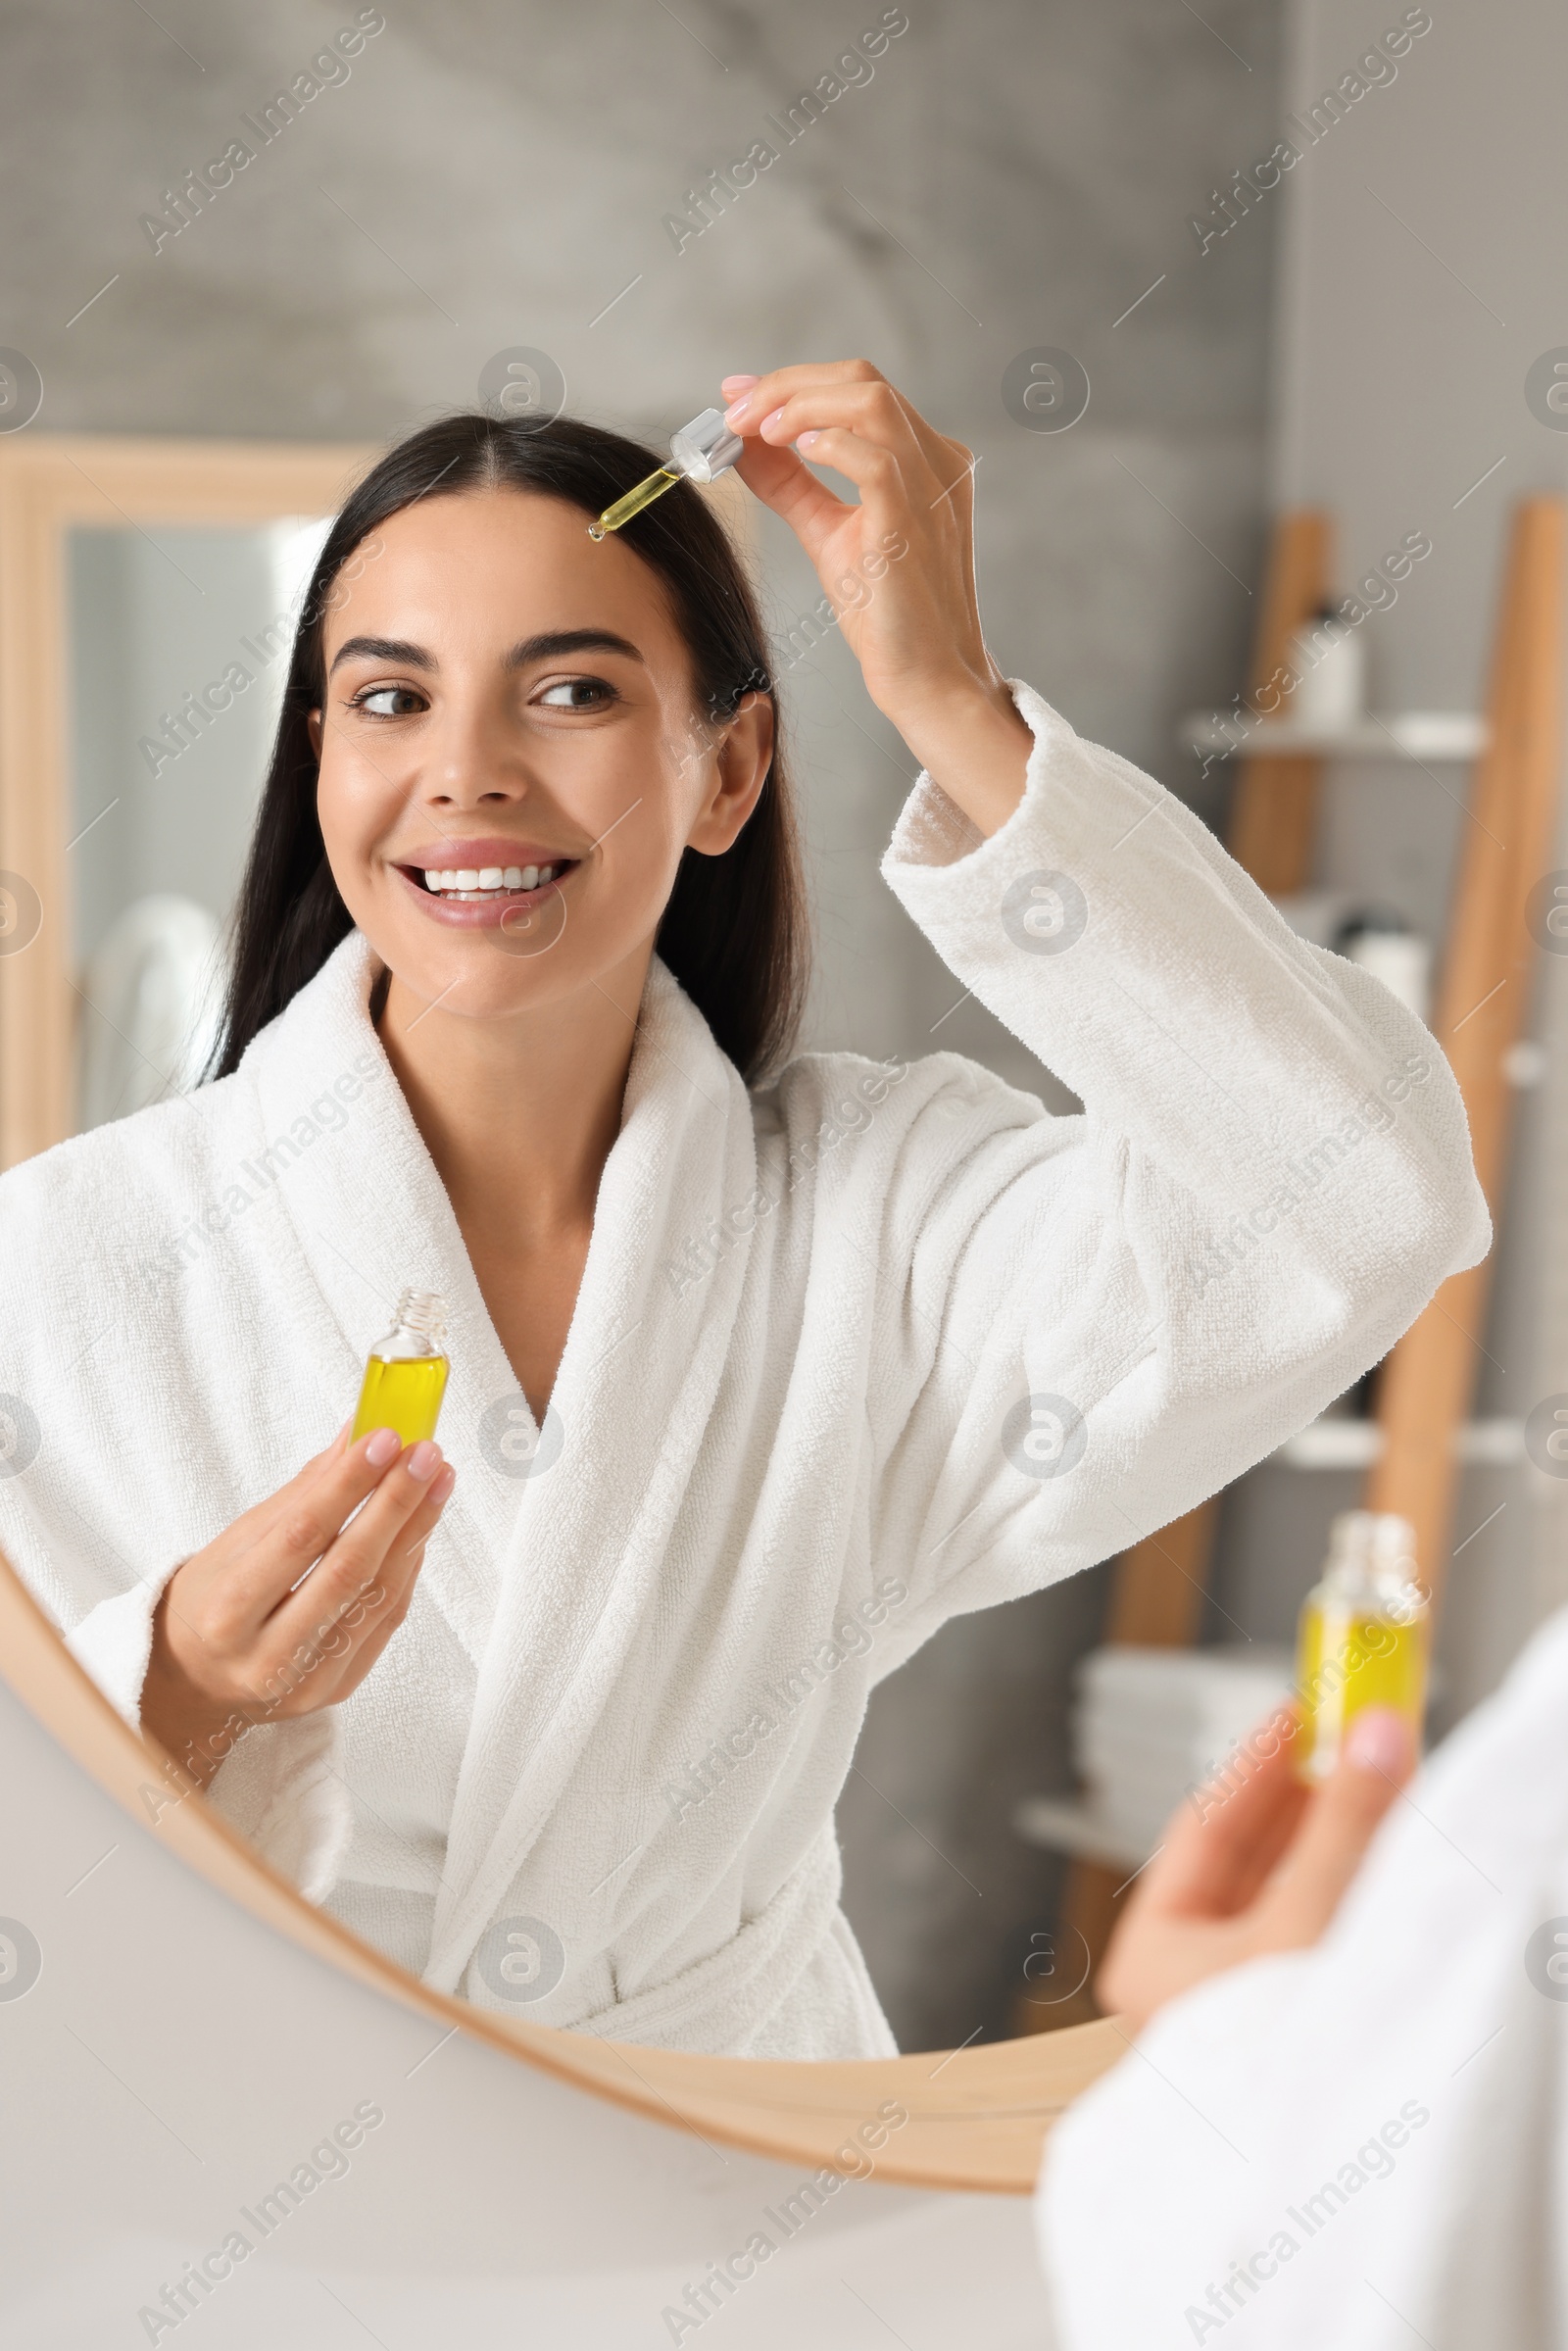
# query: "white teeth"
[[471, 882]]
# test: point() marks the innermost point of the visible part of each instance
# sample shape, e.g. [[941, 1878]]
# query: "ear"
[[313, 727], [742, 758]]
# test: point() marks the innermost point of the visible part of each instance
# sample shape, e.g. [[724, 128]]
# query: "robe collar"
[[549, 1554]]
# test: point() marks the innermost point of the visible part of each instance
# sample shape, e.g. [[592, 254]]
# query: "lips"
[[440, 855]]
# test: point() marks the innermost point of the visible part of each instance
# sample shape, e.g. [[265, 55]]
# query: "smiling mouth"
[[486, 885]]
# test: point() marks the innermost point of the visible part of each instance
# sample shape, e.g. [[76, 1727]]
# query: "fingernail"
[[735, 413], [737, 383], [772, 419], [384, 1447], [425, 1461], [1379, 1740], [805, 440], [441, 1490]]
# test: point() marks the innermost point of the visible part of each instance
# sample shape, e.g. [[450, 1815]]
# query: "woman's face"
[[511, 759]]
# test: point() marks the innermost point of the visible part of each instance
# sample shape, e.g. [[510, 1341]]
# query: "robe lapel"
[[636, 1386], [373, 1219]]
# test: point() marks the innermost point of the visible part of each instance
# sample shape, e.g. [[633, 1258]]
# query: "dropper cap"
[[705, 448]]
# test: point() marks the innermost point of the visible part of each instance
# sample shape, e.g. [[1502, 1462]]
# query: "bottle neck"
[[418, 1327], [1371, 1567]]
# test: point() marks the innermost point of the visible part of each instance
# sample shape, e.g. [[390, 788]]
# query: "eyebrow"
[[546, 647]]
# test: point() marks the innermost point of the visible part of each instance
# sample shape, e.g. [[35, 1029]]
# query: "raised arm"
[[1092, 1323], [1270, 1177]]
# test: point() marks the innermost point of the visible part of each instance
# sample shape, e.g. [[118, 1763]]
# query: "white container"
[[1328, 656]]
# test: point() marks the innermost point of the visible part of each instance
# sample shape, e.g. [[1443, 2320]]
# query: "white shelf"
[[1393, 735], [1348, 1444], [1066, 1825]]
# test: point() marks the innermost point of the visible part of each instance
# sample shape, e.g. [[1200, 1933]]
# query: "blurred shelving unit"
[[1414, 735]]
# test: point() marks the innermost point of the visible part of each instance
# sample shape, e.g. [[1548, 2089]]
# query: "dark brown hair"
[[734, 932]]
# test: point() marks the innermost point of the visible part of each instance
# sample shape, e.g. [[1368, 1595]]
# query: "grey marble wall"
[[1013, 174]]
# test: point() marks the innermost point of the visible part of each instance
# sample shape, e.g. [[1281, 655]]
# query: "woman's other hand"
[[1256, 1867], [897, 568], [236, 1643]]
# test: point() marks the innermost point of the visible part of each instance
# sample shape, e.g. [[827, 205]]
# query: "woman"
[[795, 1358]]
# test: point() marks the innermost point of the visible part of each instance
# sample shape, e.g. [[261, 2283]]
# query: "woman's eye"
[[390, 701], [578, 694]]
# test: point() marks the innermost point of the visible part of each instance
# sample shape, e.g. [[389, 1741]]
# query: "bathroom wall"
[[1011, 175]]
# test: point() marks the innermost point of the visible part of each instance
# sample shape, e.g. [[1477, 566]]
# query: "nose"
[[475, 762]]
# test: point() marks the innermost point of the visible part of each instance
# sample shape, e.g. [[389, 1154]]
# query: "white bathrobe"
[[1364, 2146], [869, 1347]]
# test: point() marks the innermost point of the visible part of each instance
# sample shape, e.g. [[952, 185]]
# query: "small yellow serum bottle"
[[405, 1376], [1363, 1636], [701, 451]]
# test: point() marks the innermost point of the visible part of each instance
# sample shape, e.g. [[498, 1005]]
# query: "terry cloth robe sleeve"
[[281, 1787], [1363, 2146], [1091, 1323]]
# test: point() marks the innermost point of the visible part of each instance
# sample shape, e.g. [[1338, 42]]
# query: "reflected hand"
[[1254, 1870], [235, 1644], [898, 567]]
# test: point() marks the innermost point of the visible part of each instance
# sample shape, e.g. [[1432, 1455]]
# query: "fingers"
[[849, 393], [1221, 1845], [786, 484], [862, 431], [369, 1642], [375, 1549], [322, 1643], [311, 1511], [844, 415], [1341, 1820]]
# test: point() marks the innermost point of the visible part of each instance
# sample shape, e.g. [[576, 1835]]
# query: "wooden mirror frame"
[[48, 484], [978, 2116]]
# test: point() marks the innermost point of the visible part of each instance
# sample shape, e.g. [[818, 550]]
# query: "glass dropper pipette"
[[702, 451]]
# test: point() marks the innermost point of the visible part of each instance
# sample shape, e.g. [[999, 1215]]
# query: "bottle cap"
[[705, 448], [424, 1311], [1375, 1550]]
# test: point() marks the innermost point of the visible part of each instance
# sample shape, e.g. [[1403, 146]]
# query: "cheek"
[[356, 806], [637, 864]]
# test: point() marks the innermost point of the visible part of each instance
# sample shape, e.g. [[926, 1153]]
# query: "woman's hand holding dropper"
[[899, 567]]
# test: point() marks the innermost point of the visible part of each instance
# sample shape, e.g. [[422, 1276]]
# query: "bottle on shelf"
[[1328, 656]]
